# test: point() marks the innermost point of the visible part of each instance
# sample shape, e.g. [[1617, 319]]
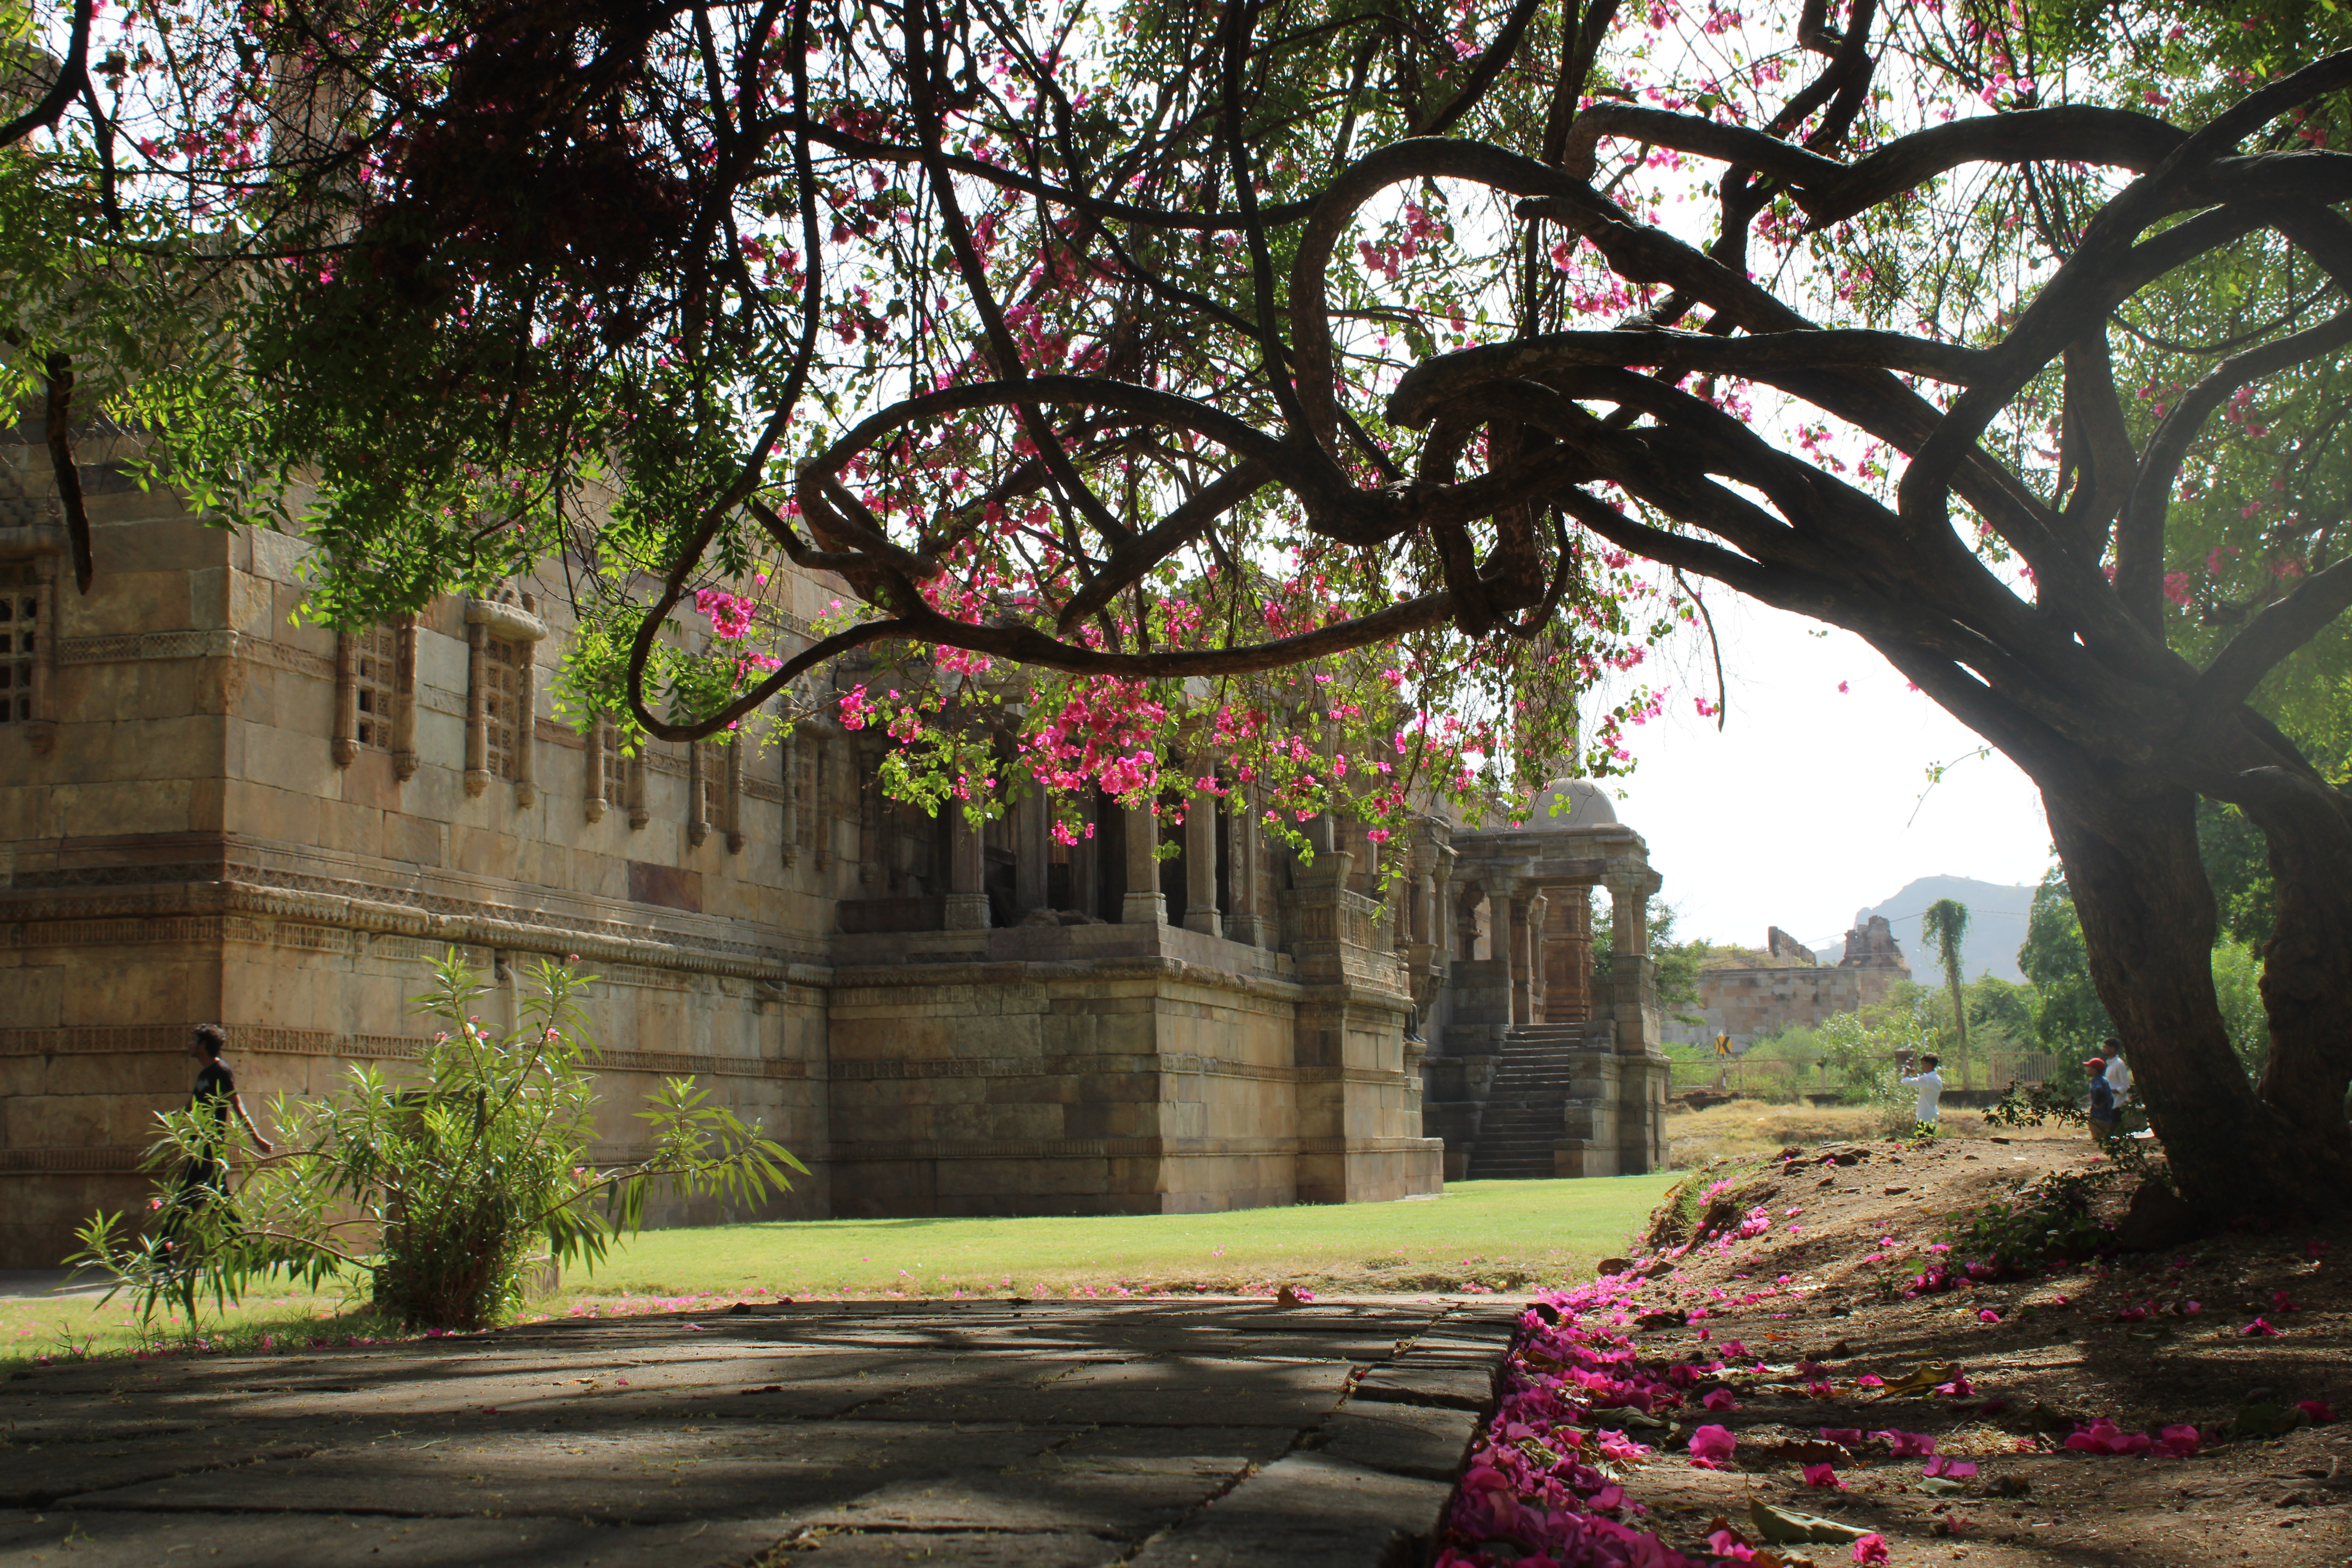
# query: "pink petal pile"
[[1534, 1489]]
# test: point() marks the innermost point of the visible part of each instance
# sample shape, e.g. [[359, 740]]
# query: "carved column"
[[1144, 904], [44, 726], [821, 828], [1201, 913], [593, 796], [526, 734], [1085, 857], [638, 812], [478, 700], [733, 803], [1032, 852], [697, 808], [345, 748], [404, 698], [967, 903], [1539, 908], [1515, 945], [789, 817]]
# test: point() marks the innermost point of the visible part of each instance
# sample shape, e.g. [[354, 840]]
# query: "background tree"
[[1315, 378], [1944, 923]]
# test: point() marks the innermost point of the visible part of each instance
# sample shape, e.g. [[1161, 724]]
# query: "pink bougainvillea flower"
[[1871, 1548], [2318, 1409], [1733, 1348], [1908, 1444], [1824, 1475], [1957, 1469], [1720, 1399], [1870, 1380], [1986, 1315], [2190, 1309], [1959, 1388], [1710, 1446], [2279, 1304], [2176, 1442], [1728, 1546], [2259, 1329], [2103, 1436], [2132, 1315]]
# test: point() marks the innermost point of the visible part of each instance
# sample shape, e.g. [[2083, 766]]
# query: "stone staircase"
[[1527, 1108]]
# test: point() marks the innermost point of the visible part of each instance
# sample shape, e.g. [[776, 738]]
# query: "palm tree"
[[1945, 922]]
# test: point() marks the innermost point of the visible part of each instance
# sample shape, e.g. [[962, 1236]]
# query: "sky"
[[1808, 807]]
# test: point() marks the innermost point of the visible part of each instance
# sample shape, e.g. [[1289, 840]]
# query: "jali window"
[[505, 696], [20, 609], [375, 672]]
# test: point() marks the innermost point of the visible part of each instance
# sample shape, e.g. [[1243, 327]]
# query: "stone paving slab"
[[1166, 1434]]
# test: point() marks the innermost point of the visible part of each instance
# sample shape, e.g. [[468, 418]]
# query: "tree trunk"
[[2129, 842], [2308, 962]]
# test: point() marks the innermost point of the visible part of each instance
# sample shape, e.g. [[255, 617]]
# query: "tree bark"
[[2308, 962], [2129, 842]]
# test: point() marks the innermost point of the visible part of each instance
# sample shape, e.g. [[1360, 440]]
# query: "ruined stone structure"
[[1542, 1062], [1748, 1004], [209, 812]]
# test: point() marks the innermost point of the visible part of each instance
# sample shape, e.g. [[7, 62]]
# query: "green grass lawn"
[[1494, 1236]]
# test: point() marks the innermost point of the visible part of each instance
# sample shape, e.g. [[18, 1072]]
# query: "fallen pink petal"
[[1871, 1548], [1824, 1475]]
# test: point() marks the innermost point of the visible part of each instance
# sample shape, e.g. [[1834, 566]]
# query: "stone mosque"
[[209, 813]]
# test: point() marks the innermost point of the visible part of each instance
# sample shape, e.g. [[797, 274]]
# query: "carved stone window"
[[20, 631], [615, 777], [505, 692], [375, 679], [502, 637]]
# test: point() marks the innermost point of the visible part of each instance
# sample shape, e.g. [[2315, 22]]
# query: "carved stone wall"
[[203, 835]]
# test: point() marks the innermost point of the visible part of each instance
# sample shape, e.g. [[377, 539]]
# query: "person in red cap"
[[2103, 1099]]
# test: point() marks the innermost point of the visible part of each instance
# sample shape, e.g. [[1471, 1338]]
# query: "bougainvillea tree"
[[1323, 394]]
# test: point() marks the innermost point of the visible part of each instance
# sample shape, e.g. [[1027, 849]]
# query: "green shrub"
[[441, 1189]]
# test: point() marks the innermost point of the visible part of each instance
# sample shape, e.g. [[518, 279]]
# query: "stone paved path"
[[1163, 1435]]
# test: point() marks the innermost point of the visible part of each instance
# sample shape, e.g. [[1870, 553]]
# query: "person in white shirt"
[[2119, 1075], [1930, 1085]]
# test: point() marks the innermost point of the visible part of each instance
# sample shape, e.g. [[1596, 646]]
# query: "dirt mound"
[[1975, 1293]]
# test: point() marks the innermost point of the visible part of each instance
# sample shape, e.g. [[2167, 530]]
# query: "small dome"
[[1588, 805]]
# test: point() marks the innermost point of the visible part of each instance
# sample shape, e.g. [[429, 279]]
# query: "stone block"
[[1307, 1511]]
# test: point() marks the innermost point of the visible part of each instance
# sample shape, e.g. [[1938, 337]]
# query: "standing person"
[[1930, 1085], [2103, 1099], [2119, 1075], [212, 1100]]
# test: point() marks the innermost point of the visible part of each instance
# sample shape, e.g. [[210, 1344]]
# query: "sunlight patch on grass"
[[1479, 1236]]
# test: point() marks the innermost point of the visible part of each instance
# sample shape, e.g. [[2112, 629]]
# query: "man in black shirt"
[[215, 1097]]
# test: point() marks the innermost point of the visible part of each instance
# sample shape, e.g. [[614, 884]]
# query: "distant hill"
[[1997, 916]]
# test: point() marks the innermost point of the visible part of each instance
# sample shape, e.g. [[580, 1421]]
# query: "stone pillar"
[[1032, 852], [1568, 957], [592, 798], [788, 824], [697, 808], [1144, 904], [526, 739], [404, 698], [821, 802], [478, 697], [1515, 945], [346, 746], [1201, 913], [734, 798], [1248, 920], [1538, 911], [639, 812], [1085, 858], [967, 903]]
